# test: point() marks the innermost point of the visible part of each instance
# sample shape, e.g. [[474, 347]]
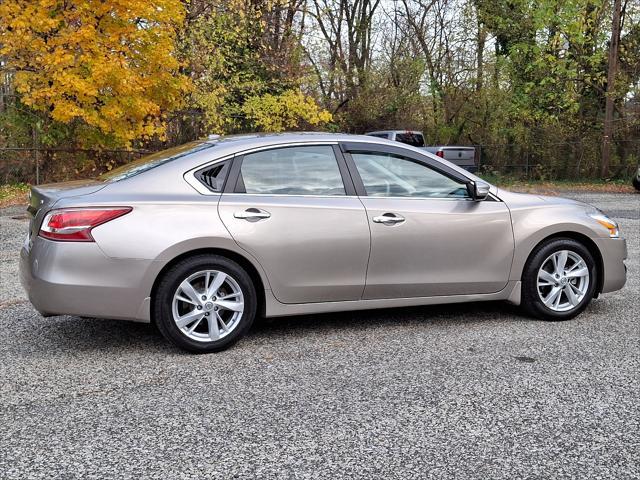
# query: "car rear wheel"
[[205, 303], [559, 280]]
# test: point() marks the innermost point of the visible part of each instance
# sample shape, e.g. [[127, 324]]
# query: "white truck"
[[464, 157]]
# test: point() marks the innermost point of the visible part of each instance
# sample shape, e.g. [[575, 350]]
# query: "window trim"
[[234, 171], [191, 176]]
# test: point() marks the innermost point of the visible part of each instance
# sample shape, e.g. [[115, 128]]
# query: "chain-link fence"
[[42, 165], [549, 161], [561, 161]]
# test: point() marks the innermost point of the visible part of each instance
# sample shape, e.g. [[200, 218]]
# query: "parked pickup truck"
[[464, 157]]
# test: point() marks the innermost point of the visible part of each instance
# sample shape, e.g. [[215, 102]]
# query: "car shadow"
[[442, 315], [68, 333], [103, 335]]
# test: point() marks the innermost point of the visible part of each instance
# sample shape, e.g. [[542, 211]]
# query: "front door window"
[[388, 175]]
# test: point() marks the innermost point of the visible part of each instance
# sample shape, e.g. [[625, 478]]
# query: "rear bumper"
[[614, 252], [79, 279]]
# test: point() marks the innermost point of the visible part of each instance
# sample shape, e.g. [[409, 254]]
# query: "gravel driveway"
[[463, 391]]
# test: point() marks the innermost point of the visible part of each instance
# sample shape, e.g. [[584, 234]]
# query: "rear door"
[[295, 210], [428, 237]]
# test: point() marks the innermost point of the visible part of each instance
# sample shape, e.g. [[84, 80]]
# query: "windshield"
[[154, 160]]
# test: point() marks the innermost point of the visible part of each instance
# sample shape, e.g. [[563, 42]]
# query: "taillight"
[[75, 224], [440, 153]]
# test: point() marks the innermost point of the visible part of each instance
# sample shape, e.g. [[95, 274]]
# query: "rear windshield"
[[154, 160], [413, 139]]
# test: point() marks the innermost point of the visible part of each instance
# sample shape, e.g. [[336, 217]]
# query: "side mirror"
[[478, 190]]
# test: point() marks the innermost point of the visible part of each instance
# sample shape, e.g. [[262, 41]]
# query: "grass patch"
[[13, 194]]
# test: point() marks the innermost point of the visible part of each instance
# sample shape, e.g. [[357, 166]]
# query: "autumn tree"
[[106, 65]]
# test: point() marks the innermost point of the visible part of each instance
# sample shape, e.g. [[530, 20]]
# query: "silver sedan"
[[201, 238]]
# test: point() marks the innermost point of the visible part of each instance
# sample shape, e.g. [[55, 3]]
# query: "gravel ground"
[[464, 391]]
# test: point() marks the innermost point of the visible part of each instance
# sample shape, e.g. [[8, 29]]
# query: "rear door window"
[[301, 170]]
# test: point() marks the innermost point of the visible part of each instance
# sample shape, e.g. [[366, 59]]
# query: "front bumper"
[[79, 279], [614, 253]]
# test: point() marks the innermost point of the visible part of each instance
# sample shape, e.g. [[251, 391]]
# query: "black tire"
[[531, 301], [171, 280], [636, 183]]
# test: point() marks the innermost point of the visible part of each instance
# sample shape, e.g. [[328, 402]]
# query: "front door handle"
[[388, 219], [252, 214]]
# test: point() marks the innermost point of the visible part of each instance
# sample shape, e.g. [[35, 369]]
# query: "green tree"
[[246, 68]]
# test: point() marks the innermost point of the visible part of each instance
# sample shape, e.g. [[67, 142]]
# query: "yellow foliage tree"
[[277, 113], [108, 63]]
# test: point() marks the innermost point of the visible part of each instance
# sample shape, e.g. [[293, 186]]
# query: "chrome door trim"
[[286, 145], [448, 199], [353, 196], [285, 195]]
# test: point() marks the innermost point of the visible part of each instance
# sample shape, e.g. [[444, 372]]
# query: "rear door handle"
[[252, 214], [388, 219]]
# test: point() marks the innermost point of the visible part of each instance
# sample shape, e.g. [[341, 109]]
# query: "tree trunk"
[[482, 37], [611, 77]]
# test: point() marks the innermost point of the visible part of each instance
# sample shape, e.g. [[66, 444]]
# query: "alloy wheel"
[[208, 305], [563, 281]]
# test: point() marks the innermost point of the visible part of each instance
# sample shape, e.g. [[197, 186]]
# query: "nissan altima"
[[202, 238]]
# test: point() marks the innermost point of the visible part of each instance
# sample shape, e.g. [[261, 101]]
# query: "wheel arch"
[[588, 243], [245, 263]]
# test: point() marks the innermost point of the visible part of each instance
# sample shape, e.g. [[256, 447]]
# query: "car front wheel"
[[205, 303], [559, 280]]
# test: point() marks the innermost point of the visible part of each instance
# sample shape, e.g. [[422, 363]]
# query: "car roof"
[[234, 144], [263, 139]]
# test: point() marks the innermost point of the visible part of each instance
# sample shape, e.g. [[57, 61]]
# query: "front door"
[[292, 210], [428, 237]]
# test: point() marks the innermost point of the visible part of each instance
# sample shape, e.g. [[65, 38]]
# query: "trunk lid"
[[43, 197]]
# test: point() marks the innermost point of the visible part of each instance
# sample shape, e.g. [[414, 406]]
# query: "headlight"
[[606, 222]]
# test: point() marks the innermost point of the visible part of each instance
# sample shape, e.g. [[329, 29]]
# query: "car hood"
[[521, 200]]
